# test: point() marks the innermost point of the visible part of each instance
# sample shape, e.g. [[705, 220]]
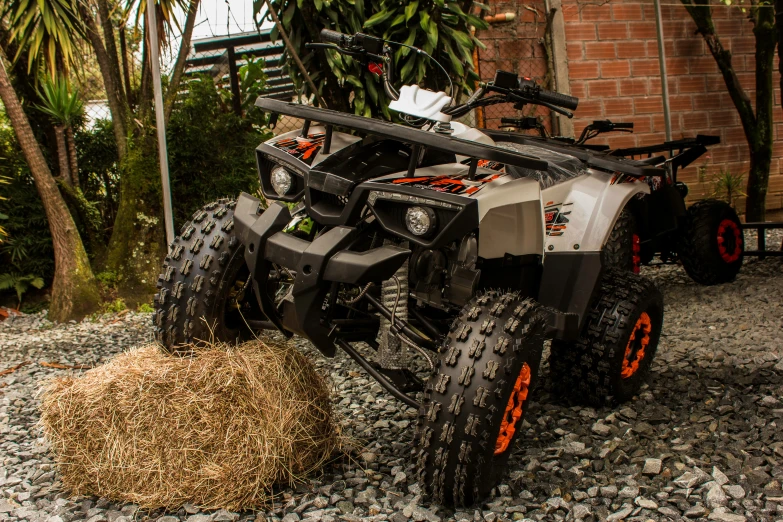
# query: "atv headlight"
[[420, 220], [281, 180]]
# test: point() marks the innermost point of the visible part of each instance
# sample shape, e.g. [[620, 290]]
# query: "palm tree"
[[63, 106], [74, 288], [46, 30]]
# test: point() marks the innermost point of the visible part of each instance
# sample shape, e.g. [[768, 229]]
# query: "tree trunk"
[[62, 155], [111, 46], [145, 91], [779, 27], [179, 66], [761, 147], [74, 289], [73, 163], [125, 68], [756, 126], [138, 242], [117, 105]]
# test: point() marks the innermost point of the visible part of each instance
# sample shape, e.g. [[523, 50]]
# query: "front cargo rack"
[[415, 137]]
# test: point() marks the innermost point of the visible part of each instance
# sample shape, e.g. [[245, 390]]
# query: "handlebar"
[[359, 42], [533, 90], [335, 37]]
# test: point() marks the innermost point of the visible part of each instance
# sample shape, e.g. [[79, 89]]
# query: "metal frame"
[[761, 239], [232, 48]]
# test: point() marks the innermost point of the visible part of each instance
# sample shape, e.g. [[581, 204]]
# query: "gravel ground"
[[701, 441]]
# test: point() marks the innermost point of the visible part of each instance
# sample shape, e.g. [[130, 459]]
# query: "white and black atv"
[[431, 240]]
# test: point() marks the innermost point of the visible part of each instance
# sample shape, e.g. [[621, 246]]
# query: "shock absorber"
[[393, 353]]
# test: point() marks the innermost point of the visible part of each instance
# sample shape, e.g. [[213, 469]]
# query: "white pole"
[[667, 118], [163, 154]]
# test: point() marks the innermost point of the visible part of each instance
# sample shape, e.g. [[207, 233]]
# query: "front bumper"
[[318, 267]]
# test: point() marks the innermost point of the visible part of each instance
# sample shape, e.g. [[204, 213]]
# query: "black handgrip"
[[560, 100], [627, 125], [334, 37]]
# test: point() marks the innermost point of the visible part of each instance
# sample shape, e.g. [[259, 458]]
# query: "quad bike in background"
[[430, 240], [706, 237]]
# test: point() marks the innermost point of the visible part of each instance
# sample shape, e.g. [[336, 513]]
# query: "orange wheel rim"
[[637, 346], [513, 410]]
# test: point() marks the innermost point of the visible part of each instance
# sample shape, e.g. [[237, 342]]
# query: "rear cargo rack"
[[591, 158], [681, 152]]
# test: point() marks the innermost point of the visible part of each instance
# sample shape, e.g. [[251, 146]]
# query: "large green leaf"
[[378, 18], [406, 73], [441, 30], [432, 34], [410, 10]]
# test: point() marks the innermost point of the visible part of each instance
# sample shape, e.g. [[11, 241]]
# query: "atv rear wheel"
[[612, 357], [475, 401], [622, 249], [202, 295], [712, 244]]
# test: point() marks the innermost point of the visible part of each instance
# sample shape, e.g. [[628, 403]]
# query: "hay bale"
[[217, 430]]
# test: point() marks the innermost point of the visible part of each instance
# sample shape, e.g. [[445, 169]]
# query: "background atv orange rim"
[[729, 240], [636, 347], [513, 410], [637, 249]]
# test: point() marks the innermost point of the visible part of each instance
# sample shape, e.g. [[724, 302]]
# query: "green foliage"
[[211, 149], [728, 187], [438, 27], [113, 307], [20, 283], [45, 30], [252, 83], [86, 216], [28, 248], [3, 234], [145, 308], [99, 172], [107, 278], [58, 101]]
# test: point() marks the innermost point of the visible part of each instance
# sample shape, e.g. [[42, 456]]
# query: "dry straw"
[[217, 430]]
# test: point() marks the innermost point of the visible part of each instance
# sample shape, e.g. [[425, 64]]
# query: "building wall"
[[614, 70]]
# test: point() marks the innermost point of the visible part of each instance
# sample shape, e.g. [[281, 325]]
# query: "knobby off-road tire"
[[198, 280], [489, 362], [712, 243], [612, 357], [622, 249]]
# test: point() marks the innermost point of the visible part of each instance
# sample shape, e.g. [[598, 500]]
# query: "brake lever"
[[549, 106]]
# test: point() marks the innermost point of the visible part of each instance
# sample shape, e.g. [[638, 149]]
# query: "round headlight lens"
[[420, 220], [281, 180]]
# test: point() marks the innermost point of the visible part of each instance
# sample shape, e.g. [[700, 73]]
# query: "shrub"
[[28, 248], [211, 149]]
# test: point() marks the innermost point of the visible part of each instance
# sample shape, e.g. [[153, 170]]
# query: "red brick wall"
[[613, 67], [514, 46]]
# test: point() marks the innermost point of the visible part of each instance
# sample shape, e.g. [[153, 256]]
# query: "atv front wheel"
[[712, 243], [475, 401], [202, 295], [612, 357], [622, 249]]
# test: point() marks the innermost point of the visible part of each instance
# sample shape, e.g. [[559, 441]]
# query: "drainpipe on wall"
[[667, 119], [559, 64]]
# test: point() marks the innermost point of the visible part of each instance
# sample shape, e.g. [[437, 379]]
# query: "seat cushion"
[[562, 167]]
